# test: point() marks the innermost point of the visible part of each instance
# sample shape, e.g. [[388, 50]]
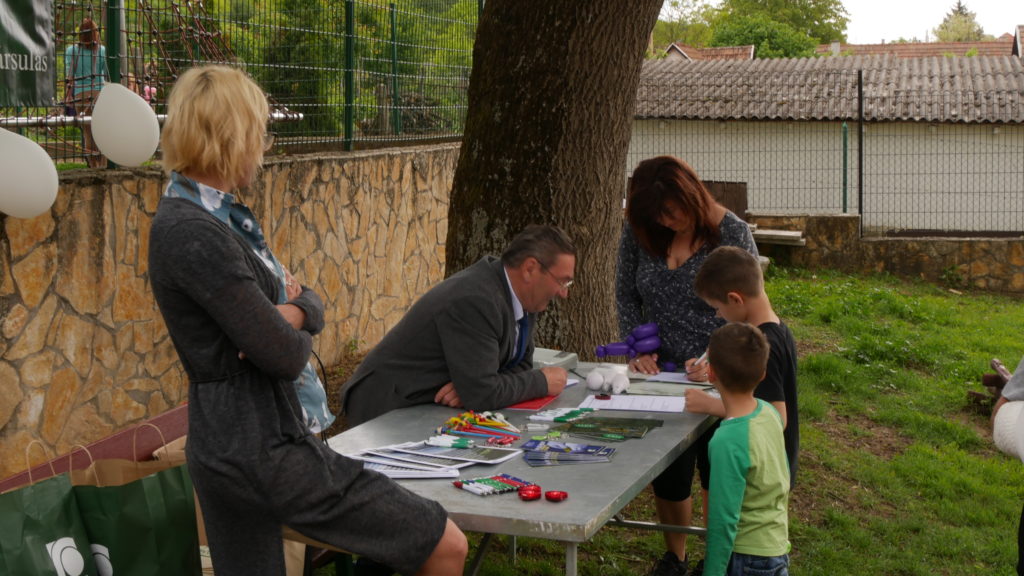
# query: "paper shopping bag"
[[174, 453], [140, 519], [41, 531]]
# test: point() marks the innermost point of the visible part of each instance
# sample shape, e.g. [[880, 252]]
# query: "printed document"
[[636, 402]]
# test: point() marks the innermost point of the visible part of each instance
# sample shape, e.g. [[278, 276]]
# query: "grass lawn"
[[898, 474]]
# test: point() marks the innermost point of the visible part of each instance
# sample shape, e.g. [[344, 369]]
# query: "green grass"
[[898, 474]]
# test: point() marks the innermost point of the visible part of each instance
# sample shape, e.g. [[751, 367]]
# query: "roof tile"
[[952, 89]]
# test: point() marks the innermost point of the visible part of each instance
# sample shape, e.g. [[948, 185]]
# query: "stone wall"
[[84, 351], [834, 241]]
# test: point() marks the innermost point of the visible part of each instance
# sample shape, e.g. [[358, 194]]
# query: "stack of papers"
[[420, 460], [393, 469], [553, 453]]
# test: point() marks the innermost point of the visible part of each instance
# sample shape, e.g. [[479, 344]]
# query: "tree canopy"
[[823, 21], [771, 39], [778, 28], [687, 22], [960, 25]]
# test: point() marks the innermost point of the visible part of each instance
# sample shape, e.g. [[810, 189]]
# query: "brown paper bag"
[[294, 549]]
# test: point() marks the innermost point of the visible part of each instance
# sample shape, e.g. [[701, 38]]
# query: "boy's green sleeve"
[[729, 454]]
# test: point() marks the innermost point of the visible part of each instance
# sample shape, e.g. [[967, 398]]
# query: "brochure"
[[612, 429], [477, 454], [551, 451], [409, 458], [398, 471]]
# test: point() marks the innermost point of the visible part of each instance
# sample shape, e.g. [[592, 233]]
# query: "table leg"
[[570, 558], [478, 558]]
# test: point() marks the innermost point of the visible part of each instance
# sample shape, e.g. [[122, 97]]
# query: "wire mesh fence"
[[908, 162], [348, 74], [943, 179], [340, 74]]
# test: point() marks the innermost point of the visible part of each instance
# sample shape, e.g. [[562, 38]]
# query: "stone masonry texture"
[[84, 351]]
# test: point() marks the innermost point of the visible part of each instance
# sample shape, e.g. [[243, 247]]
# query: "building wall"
[[967, 178], [84, 351], [789, 167]]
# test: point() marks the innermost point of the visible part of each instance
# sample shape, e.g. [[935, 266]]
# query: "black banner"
[[27, 61]]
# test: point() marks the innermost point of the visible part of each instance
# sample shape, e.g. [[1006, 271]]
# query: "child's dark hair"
[[738, 353], [728, 269]]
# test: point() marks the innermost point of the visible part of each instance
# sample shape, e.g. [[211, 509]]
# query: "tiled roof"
[[1003, 46], [975, 89], [716, 53], [1018, 41]]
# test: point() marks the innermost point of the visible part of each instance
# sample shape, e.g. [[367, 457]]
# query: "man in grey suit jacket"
[[462, 344]]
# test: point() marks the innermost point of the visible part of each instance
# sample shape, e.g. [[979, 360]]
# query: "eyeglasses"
[[563, 283], [268, 141]]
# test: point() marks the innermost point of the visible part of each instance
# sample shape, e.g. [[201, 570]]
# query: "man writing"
[[468, 342]]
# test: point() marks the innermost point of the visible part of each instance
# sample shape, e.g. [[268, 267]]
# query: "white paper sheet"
[[637, 403]]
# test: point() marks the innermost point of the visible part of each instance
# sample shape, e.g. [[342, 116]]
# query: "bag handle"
[[135, 437], [76, 448], [28, 459], [71, 458]]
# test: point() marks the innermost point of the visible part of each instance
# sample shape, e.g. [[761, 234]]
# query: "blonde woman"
[[254, 462]]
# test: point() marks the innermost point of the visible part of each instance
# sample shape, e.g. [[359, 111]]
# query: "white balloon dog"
[[608, 379]]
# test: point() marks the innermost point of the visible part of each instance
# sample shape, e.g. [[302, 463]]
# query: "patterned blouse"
[[240, 220], [647, 291]]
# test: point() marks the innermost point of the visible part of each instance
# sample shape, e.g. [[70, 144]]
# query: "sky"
[[875, 21]]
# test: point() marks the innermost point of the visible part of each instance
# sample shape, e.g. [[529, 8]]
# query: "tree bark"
[[551, 101]]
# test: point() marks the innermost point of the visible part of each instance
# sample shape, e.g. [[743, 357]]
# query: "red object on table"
[[535, 404], [529, 493], [556, 495]]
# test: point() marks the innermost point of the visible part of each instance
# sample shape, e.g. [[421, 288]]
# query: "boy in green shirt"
[[748, 525]]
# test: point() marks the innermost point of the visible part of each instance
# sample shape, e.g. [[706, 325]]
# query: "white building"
[[943, 138]]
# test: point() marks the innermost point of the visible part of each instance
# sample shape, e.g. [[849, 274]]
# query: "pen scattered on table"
[[491, 426], [488, 485]]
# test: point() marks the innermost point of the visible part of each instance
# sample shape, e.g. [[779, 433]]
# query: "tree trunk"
[[551, 101]]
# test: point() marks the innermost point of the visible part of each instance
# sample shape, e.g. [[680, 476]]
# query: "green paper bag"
[[141, 519], [41, 531]]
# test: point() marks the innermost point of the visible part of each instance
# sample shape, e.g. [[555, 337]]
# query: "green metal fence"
[[340, 74]]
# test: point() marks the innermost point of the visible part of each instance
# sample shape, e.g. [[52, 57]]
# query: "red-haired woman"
[[673, 224]]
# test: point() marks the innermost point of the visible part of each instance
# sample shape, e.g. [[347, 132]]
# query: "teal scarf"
[[240, 219]]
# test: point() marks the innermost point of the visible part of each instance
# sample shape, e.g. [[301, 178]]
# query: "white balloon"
[[28, 177], [124, 126]]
